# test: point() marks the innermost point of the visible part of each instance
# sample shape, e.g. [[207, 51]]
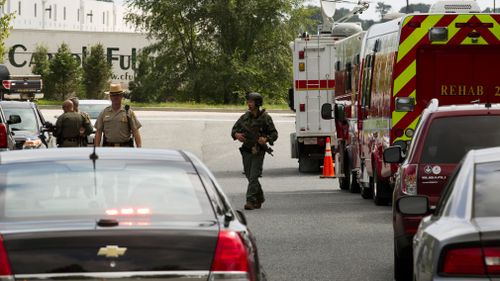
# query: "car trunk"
[[166, 247]]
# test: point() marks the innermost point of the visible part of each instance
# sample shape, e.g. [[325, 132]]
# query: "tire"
[[403, 268], [354, 187], [378, 189], [345, 182], [366, 192], [307, 165]]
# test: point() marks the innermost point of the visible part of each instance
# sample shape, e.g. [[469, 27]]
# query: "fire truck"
[[445, 54], [313, 85]]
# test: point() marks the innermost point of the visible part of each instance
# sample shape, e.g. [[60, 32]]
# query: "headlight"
[[30, 144]]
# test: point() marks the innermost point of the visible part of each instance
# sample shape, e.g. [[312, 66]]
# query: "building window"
[[64, 13], [55, 12], [103, 18], [78, 15], [35, 11], [19, 8]]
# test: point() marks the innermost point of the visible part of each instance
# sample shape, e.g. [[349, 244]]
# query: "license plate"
[[310, 141]]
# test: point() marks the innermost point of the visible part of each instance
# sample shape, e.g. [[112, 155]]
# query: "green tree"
[[65, 78], [214, 51], [96, 72], [382, 9], [41, 66], [5, 27]]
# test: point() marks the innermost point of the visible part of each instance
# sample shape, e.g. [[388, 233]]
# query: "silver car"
[[461, 239], [93, 108]]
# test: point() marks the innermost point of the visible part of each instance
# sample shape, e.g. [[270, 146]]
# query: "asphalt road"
[[308, 229]]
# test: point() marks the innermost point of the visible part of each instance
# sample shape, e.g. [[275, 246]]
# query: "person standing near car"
[[86, 129], [254, 129], [68, 126], [117, 126]]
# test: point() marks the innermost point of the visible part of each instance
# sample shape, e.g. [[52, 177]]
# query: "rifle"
[[131, 140], [255, 137]]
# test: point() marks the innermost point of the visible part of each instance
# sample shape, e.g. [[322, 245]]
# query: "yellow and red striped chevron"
[[412, 38]]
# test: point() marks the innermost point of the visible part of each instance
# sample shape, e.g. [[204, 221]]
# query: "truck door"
[[459, 74]]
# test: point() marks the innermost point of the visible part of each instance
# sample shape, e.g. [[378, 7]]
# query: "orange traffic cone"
[[328, 165]]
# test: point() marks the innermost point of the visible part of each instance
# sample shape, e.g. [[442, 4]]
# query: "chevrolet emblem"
[[111, 251]]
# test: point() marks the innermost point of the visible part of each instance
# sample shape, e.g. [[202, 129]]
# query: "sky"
[[397, 5]]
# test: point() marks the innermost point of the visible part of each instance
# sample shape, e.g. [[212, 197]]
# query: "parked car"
[[460, 240], [33, 131], [122, 213], [19, 87], [442, 137], [93, 108], [7, 141]]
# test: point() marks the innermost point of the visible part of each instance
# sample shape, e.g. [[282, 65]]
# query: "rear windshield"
[[487, 190], [449, 138], [73, 189]]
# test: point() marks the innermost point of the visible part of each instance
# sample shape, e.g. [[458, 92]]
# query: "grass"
[[190, 105]]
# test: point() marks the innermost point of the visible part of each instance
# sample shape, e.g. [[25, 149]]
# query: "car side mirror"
[[393, 154], [326, 111], [14, 119], [291, 99], [48, 126], [413, 205]]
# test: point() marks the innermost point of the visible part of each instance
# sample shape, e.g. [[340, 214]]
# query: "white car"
[[93, 108]]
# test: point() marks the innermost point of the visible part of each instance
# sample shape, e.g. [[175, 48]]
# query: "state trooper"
[[86, 129], [254, 129], [68, 126], [117, 125]]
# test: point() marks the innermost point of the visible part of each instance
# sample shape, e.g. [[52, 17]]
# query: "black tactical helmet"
[[256, 97]]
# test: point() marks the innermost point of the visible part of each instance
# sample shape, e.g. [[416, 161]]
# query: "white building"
[[83, 15], [78, 23]]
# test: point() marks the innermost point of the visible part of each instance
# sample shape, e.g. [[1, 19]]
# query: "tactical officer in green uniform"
[[86, 129], [118, 124], [254, 129], [68, 126]]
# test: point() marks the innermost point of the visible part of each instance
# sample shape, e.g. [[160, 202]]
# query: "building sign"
[[121, 49]]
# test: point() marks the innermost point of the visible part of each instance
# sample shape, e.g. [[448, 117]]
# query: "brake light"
[[409, 179], [3, 136], [321, 141], [468, 261], [302, 107], [6, 84], [301, 55], [4, 260], [231, 258]]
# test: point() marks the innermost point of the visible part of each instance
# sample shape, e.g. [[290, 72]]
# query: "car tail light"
[[231, 258], [409, 179], [4, 261], [302, 107], [3, 136], [472, 261], [492, 260], [6, 84]]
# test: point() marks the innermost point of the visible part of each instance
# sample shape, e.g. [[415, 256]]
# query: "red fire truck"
[[445, 54]]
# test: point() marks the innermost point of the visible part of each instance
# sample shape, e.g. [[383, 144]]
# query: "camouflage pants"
[[252, 165]]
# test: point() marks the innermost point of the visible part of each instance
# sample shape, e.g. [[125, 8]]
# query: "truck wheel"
[[308, 165], [345, 181], [354, 187], [379, 189]]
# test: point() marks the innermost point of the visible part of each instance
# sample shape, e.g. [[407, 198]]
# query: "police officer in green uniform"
[[254, 130], [86, 129], [68, 126], [117, 126]]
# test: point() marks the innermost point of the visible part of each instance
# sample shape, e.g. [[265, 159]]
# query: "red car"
[[443, 136]]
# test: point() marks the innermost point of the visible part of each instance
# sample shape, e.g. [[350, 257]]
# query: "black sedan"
[[119, 213]]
